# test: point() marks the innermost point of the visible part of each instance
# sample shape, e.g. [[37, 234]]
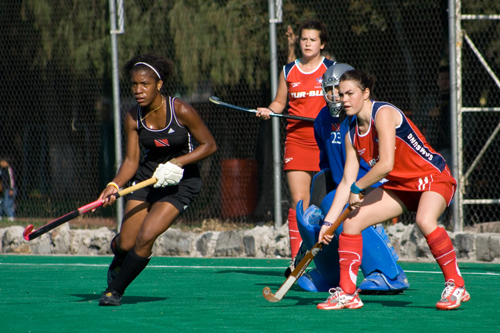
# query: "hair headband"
[[146, 64]]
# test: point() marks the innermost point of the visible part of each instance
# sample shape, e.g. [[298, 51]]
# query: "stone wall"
[[259, 242]]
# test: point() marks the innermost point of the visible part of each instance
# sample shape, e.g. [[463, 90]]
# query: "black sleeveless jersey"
[[163, 144]]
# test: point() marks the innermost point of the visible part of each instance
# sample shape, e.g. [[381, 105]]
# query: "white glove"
[[168, 174]]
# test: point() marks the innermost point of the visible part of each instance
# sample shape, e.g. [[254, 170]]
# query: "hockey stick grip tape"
[[30, 235]]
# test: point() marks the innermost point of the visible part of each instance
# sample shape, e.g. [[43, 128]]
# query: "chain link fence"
[[480, 112], [56, 123]]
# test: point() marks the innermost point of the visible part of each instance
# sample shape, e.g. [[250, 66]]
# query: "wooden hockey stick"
[[29, 234], [297, 272], [217, 101]]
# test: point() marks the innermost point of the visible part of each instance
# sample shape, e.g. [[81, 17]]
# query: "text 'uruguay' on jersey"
[[304, 94]]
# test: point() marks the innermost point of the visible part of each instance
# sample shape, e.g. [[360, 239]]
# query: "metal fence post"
[[116, 98]]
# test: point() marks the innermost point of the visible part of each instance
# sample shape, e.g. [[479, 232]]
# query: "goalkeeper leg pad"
[[378, 283], [315, 282], [378, 253], [382, 273], [327, 273]]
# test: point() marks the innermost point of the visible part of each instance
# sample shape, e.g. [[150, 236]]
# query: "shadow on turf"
[[125, 299], [253, 272], [476, 268], [318, 298]]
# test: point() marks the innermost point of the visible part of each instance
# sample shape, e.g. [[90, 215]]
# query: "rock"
[[229, 244], [173, 243], [465, 245], [259, 242], [13, 241], [203, 244]]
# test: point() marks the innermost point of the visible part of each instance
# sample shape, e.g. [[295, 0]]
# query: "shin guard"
[[117, 262], [294, 232], [442, 249], [132, 266], [350, 255], [119, 254]]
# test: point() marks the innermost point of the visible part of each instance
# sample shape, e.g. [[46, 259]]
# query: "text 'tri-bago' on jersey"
[[305, 99]]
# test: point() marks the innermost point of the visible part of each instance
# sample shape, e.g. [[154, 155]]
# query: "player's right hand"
[[264, 113]]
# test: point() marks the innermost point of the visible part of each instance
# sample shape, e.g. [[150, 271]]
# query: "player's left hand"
[[323, 238], [292, 38], [264, 113], [168, 174]]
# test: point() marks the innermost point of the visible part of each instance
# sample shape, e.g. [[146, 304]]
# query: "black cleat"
[[110, 297], [289, 270]]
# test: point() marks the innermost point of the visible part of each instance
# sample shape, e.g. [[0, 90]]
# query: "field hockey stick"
[[297, 272], [29, 234], [217, 101]]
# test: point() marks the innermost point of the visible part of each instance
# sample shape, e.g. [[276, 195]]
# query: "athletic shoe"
[[298, 258], [452, 296], [338, 299], [379, 283], [110, 297]]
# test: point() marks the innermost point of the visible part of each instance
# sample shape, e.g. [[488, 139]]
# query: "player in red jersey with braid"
[[418, 180], [300, 83]]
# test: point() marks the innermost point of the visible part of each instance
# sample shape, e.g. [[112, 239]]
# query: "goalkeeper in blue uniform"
[[379, 266]]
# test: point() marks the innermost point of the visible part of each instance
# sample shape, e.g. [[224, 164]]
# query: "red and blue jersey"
[[305, 99], [414, 157], [330, 136]]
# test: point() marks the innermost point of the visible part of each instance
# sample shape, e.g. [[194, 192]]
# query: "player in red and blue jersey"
[[382, 273], [300, 85], [418, 180]]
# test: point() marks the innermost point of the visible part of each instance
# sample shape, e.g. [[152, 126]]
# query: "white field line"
[[219, 267]]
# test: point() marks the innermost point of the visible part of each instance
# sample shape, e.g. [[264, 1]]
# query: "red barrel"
[[239, 187]]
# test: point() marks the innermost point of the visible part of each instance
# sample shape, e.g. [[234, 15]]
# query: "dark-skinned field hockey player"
[[166, 128]]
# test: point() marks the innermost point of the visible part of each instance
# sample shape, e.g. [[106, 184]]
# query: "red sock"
[[444, 253], [350, 254], [293, 230]]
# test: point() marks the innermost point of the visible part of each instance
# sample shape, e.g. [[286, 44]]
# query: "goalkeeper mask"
[[330, 87]]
